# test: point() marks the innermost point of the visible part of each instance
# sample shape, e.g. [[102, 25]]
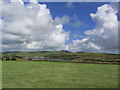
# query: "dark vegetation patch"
[[63, 54]]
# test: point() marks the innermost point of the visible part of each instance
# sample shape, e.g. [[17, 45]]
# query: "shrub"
[[7, 59], [13, 58]]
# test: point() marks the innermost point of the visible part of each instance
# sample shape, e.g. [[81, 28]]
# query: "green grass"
[[64, 55], [27, 74]]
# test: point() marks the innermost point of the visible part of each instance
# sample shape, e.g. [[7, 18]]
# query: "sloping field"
[[27, 74], [66, 55]]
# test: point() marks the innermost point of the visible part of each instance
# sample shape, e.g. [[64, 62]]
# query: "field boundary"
[[88, 62]]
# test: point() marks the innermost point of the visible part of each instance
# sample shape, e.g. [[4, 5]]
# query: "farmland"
[[78, 56], [22, 73], [27, 74]]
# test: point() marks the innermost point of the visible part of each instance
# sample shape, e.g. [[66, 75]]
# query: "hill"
[[66, 55]]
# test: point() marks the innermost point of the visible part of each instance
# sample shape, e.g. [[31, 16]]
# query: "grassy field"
[[66, 55], [28, 74]]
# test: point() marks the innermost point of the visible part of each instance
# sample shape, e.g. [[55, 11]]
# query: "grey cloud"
[[31, 27], [104, 37]]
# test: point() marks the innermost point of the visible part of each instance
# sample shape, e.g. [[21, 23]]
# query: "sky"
[[72, 26], [80, 21]]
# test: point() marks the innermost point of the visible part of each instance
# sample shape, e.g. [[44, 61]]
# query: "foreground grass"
[[26, 74]]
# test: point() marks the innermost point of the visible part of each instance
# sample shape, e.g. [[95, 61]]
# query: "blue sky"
[[73, 26], [81, 11]]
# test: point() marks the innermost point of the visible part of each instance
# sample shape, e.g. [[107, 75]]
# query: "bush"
[[13, 59], [29, 59], [7, 59]]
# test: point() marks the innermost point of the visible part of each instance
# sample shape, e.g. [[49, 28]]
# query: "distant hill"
[[64, 54], [65, 51]]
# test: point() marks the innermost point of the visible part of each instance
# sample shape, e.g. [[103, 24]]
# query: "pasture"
[[28, 74], [66, 55]]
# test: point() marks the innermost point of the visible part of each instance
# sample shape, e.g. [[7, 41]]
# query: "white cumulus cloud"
[[30, 26], [104, 37]]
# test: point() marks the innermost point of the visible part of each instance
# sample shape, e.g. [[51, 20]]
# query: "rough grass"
[[63, 55], [26, 74]]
